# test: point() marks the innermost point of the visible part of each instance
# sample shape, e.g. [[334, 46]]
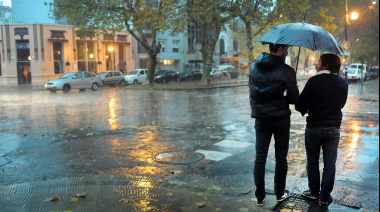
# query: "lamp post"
[[111, 49], [353, 16]]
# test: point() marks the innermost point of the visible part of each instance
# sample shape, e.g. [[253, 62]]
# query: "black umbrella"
[[302, 35]]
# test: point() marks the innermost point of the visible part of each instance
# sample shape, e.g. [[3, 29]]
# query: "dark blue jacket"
[[269, 78], [323, 98]]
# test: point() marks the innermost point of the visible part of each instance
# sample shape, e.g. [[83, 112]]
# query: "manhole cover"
[[178, 158], [295, 204]]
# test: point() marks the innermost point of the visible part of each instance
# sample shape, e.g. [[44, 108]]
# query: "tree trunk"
[[208, 50], [248, 27], [151, 69]]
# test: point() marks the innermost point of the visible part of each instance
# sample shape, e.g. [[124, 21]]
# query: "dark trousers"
[[265, 128], [328, 139]]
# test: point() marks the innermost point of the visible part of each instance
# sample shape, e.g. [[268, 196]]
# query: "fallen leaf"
[[169, 194], [25, 134], [124, 200], [290, 204], [90, 134], [89, 126], [81, 195], [1, 170], [200, 194], [17, 166], [175, 172], [119, 128], [286, 210], [200, 204], [294, 210], [207, 193], [21, 151], [216, 137], [81, 128], [55, 198], [239, 200], [129, 148], [244, 209], [217, 209], [74, 200]]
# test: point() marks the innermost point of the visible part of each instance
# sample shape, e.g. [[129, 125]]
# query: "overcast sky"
[[8, 2]]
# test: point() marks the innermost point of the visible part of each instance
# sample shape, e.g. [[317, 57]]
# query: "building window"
[[121, 53], [194, 36], [175, 46], [222, 47], [163, 46], [58, 55], [141, 49], [91, 61], [236, 46], [109, 57], [81, 54]]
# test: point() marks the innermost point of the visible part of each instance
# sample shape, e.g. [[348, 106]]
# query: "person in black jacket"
[[323, 98], [273, 86]]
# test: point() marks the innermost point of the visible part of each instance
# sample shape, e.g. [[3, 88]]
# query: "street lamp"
[[111, 49], [374, 2], [354, 16]]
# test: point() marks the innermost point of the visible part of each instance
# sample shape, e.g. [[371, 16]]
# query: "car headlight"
[[158, 77]]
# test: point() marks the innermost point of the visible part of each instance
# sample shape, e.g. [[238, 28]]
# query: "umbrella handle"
[[298, 58]]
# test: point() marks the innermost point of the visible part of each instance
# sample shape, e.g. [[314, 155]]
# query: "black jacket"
[[323, 98], [269, 78]]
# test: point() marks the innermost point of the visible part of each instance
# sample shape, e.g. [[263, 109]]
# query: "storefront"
[[36, 53]]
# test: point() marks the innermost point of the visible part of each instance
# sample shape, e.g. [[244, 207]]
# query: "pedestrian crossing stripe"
[[233, 144], [214, 155]]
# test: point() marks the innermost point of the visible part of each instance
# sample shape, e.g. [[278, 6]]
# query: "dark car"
[[191, 74], [233, 72], [165, 76], [372, 73]]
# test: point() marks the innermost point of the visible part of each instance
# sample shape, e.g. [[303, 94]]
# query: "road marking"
[[233, 144], [214, 155]]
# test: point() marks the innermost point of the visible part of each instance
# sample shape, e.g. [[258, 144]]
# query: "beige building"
[[36, 53]]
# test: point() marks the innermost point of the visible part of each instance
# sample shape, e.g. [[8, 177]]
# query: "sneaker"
[[283, 197], [308, 194], [326, 202], [260, 203]]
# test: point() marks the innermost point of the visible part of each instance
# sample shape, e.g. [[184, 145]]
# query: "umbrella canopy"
[[302, 35]]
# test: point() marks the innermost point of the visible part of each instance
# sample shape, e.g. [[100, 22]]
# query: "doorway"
[[24, 74]]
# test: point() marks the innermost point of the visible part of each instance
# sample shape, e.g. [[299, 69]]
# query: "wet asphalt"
[[117, 131]]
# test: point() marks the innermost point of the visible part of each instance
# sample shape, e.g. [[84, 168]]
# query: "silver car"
[[112, 78], [75, 80]]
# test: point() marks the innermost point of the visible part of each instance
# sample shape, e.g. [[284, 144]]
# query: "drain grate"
[[294, 204], [178, 157]]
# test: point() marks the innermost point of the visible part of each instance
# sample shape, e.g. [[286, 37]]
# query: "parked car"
[[191, 74], [372, 74], [222, 67], [74, 80], [216, 74], [137, 76], [112, 78], [165, 76], [354, 72], [232, 72]]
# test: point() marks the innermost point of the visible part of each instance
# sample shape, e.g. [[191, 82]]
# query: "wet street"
[[117, 131]]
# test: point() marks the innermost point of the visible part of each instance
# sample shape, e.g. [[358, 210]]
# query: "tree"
[[211, 18], [141, 18], [255, 16]]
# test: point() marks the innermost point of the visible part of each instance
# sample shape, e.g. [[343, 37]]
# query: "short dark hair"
[[333, 62], [273, 48]]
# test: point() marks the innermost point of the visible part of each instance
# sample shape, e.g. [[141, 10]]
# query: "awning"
[[58, 40]]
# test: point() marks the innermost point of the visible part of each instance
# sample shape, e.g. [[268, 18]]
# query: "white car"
[[354, 72], [223, 67], [216, 74], [137, 76]]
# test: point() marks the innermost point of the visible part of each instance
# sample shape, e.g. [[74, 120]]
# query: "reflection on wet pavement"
[[118, 132]]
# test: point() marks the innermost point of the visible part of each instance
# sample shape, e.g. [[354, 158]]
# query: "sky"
[[7, 2]]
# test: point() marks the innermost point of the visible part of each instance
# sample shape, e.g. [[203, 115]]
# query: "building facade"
[[5, 14], [171, 55], [36, 53]]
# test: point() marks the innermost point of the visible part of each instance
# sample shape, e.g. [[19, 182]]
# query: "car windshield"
[[350, 71], [133, 72], [103, 73], [160, 72], [66, 76]]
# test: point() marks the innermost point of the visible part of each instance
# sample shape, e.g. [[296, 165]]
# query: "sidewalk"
[[138, 193]]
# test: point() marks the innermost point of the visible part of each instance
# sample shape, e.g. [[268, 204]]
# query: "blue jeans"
[[328, 139]]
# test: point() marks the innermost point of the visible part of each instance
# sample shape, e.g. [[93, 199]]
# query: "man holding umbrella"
[[269, 78]]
